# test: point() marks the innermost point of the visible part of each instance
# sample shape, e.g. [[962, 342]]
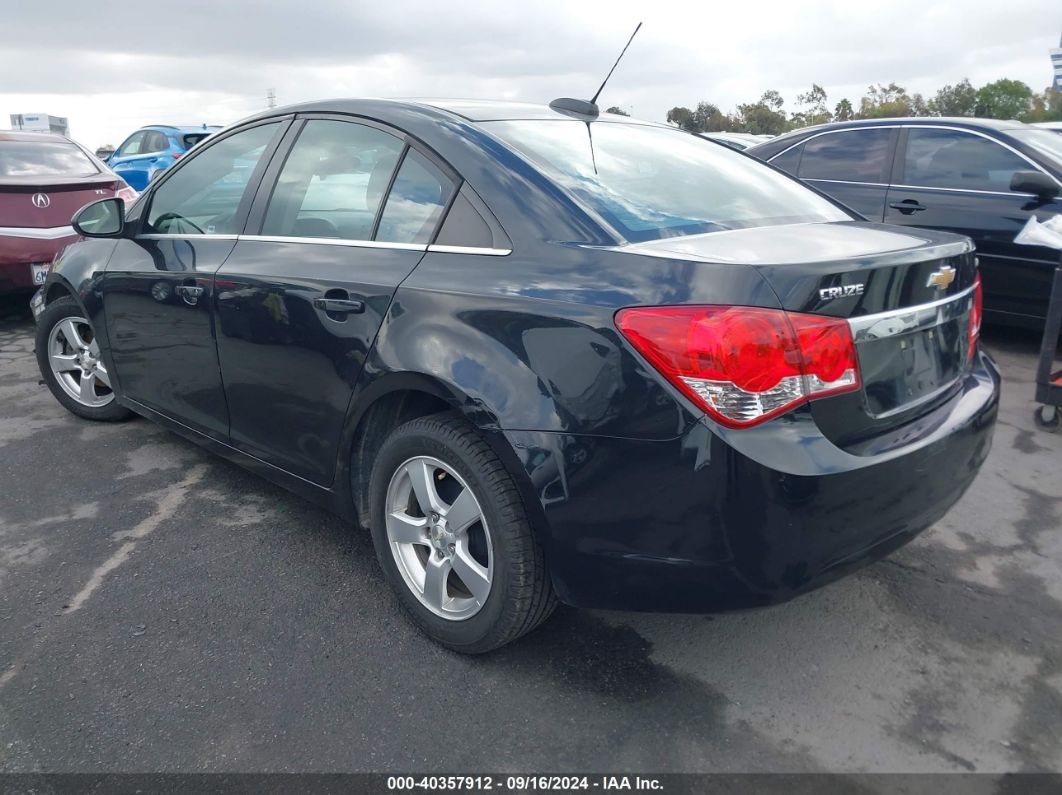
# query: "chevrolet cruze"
[[542, 355]]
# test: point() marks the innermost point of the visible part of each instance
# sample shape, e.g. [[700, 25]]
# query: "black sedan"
[[978, 177], [542, 355]]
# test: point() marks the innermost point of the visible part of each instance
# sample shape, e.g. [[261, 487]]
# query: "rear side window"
[[44, 158], [156, 142], [333, 181], [847, 156], [202, 195], [416, 202], [464, 226], [789, 160], [956, 159]]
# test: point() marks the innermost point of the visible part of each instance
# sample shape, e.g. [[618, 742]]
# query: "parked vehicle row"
[[977, 177], [44, 179], [543, 355]]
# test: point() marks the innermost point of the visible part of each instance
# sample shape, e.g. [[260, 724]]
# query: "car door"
[[299, 302], [135, 161], [849, 165], [158, 285], [959, 181]]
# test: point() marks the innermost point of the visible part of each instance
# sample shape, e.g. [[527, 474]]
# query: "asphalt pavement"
[[163, 610]]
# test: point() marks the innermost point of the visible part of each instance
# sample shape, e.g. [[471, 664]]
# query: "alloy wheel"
[[439, 538], [74, 358]]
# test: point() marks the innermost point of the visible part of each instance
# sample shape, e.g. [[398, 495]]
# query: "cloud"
[[112, 66]]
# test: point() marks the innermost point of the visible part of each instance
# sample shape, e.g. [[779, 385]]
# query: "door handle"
[[338, 306], [189, 292], [908, 206]]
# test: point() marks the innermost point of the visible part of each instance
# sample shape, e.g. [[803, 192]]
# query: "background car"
[[630, 369], [44, 179], [739, 141], [977, 177], [1053, 126], [152, 149]]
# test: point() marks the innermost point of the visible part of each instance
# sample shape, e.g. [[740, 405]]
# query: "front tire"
[[453, 539], [68, 356]]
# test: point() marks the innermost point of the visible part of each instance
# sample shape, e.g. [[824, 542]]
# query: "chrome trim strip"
[[486, 252], [333, 241], [35, 233], [186, 237], [912, 318]]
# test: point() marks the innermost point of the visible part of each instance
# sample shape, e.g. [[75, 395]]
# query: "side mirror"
[[105, 218], [1035, 182]]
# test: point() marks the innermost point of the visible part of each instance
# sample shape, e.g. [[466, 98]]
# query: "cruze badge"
[[844, 291], [942, 278]]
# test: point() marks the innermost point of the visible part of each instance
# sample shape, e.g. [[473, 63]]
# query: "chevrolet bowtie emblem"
[[941, 278]]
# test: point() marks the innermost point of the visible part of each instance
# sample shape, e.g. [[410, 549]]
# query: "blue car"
[[151, 150]]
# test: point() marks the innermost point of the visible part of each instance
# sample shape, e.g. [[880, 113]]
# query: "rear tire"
[[69, 360], [494, 586]]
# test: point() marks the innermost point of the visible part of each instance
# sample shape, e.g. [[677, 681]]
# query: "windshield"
[[653, 182], [44, 158], [1046, 142]]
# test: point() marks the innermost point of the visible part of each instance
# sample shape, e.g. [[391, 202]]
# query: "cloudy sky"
[[113, 66]]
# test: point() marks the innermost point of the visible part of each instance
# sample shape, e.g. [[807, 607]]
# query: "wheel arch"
[[393, 399]]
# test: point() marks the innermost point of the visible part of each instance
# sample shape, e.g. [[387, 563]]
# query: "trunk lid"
[[906, 295], [21, 205]]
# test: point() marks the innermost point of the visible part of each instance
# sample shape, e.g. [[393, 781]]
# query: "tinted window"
[[789, 160], [203, 193], [956, 159], [191, 139], [156, 142], [333, 181], [415, 203], [464, 226], [850, 156], [134, 146], [651, 182], [44, 158]]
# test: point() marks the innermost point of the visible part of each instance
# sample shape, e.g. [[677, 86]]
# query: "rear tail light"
[[126, 194], [974, 328], [744, 365], [177, 155]]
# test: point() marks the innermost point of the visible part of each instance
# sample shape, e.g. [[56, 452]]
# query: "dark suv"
[[978, 177]]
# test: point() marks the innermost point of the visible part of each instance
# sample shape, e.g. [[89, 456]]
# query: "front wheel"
[[68, 356], [453, 538]]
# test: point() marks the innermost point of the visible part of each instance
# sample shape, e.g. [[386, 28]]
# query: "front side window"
[[847, 156], [203, 194], [134, 146], [333, 181], [417, 199], [57, 158], [652, 182], [958, 160]]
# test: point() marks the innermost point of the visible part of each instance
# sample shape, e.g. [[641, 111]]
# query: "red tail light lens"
[[126, 194], [974, 329], [178, 155], [744, 365]]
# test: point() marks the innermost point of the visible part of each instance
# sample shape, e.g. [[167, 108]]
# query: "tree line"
[[1001, 99]]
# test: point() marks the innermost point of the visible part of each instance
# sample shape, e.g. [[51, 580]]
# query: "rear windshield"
[[44, 158], [652, 182]]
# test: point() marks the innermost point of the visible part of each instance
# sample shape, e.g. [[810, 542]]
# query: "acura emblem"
[[41, 200], [941, 278]]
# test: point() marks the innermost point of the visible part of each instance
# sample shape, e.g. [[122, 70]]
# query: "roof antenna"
[[588, 110]]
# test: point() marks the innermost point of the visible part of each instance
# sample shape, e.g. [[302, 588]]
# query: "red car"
[[44, 180]]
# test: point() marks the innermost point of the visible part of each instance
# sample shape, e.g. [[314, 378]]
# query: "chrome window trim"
[[1036, 166], [895, 322], [190, 236], [37, 233], [486, 252], [334, 241]]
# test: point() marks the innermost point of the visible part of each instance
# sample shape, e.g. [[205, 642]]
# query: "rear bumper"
[[17, 253], [726, 520]]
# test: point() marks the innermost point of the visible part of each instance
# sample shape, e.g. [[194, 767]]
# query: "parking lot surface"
[[163, 610]]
